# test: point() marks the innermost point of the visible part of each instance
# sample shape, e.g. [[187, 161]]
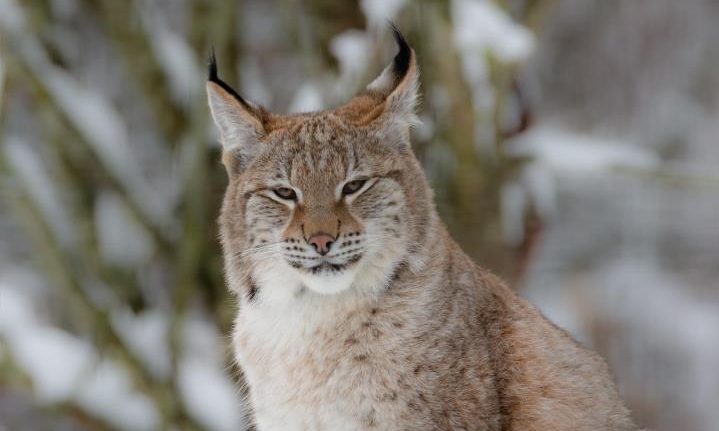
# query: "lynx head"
[[332, 199]]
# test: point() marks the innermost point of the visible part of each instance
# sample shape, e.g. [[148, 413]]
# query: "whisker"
[[256, 252], [263, 254]]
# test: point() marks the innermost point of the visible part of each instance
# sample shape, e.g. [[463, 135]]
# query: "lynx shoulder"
[[357, 310]]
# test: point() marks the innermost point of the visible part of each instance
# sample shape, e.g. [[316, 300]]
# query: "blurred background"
[[572, 145]]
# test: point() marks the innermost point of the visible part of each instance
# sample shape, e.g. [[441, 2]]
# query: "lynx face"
[[327, 198], [323, 200]]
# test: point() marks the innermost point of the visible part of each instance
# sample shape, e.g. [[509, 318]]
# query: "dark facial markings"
[[314, 160], [252, 290], [350, 251]]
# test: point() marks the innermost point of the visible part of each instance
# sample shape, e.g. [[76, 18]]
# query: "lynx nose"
[[321, 242]]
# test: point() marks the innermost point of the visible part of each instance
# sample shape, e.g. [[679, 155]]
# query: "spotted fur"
[[395, 328]]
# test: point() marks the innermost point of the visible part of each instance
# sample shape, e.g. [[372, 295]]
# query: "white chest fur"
[[300, 368], [313, 362]]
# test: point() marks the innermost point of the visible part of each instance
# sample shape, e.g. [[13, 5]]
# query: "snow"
[[673, 325], [535, 187], [207, 392], [307, 99], [210, 397], [63, 367], [146, 335], [480, 26], [554, 153], [563, 151], [94, 117], [15, 310], [254, 85], [41, 189], [351, 49], [541, 187], [104, 129], [121, 240], [176, 57], [11, 16], [378, 12], [55, 360], [178, 62], [108, 393]]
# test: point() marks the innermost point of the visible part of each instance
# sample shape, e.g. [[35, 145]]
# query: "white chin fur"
[[331, 283]]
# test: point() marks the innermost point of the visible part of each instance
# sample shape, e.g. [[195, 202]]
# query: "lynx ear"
[[397, 87], [239, 121]]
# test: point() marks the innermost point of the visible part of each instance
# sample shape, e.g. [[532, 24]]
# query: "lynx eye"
[[352, 187], [285, 193]]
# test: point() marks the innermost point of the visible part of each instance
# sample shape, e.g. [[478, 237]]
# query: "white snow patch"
[[201, 337], [173, 52], [207, 391], [541, 186], [100, 124], [55, 360], [29, 168], [554, 152], [564, 151], [63, 367], [179, 63], [121, 239], [535, 187], [480, 25], [209, 395], [307, 99], [351, 49], [146, 334], [254, 83], [12, 18], [16, 311], [107, 392], [674, 328], [96, 119], [378, 12], [103, 128]]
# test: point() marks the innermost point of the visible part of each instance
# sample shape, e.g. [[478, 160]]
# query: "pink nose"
[[321, 242]]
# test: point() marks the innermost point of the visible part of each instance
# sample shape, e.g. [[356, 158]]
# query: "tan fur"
[[420, 338]]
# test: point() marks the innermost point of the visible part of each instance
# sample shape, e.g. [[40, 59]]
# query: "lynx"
[[357, 311]]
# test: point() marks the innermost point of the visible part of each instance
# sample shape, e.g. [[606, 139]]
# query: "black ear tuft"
[[212, 77], [212, 66], [402, 59]]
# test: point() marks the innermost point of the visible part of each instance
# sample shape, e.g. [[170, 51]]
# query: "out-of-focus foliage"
[[111, 182], [111, 166]]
